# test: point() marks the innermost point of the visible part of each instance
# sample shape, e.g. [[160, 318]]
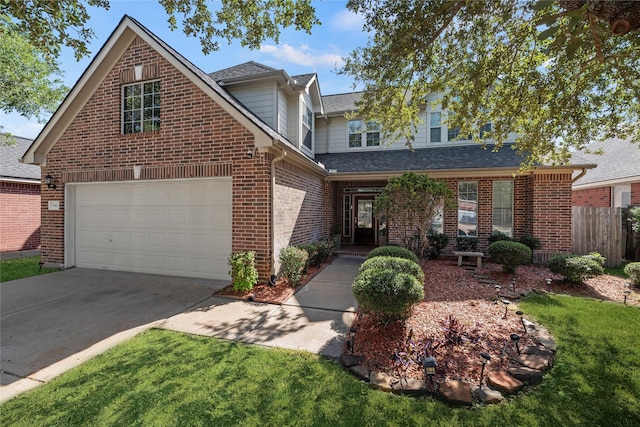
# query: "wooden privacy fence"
[[599, 230]]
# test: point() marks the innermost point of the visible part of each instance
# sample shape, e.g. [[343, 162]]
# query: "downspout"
[[580, 175], [282, 155]]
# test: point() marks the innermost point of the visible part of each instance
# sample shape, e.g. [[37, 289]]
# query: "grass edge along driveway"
[[166, 378]]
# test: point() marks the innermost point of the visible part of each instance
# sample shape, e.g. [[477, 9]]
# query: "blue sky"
[[296, 52]]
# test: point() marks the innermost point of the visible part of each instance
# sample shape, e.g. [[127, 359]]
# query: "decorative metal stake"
[[521, 313], [484, 358], [506, 303], [515, 338], [626, 294]]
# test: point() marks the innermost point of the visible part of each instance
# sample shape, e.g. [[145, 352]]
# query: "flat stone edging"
[[526, 369]]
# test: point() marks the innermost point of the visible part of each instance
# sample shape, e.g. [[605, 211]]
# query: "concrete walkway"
[[315, 319]]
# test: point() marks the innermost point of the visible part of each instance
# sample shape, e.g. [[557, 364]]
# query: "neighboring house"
[[615, 182], [19, 199], [162, 168]]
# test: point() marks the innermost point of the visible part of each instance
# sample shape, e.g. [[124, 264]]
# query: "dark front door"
[[364, 221]]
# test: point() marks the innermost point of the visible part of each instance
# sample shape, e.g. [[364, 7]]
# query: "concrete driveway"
[[47, 318]]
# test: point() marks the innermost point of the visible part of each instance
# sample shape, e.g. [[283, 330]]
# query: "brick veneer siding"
[[197, 138], [300, 210], [599, 197], [20, 216], [552, 213], [635, 194]]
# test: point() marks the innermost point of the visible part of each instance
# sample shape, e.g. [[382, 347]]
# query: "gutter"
[[580, 175], [283, 154]]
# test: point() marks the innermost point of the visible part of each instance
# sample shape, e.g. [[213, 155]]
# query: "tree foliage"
[[29, 85], [410, 202], [558, 78], [50, 25]]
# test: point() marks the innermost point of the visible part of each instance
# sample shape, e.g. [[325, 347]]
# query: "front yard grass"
[[166, 378], [19, 268]]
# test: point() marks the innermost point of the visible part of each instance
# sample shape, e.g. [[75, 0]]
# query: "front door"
[[364, 221]]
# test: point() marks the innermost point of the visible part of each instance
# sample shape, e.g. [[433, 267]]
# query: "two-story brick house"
[[160, 167]]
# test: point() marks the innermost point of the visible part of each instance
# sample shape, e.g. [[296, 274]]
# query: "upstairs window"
[[307, 127], [360, 136], [141, 107], [436, 127]]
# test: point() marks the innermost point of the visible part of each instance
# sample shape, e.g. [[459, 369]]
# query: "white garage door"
[[178, 228]]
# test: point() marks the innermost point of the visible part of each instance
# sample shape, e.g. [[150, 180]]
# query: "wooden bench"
[[478, 256]]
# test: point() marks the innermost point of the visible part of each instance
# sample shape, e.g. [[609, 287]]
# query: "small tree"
[[410, 202]]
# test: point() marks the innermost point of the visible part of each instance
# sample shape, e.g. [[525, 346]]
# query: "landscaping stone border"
[[526, 369]]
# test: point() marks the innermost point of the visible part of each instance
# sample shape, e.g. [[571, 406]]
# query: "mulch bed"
[[459, 293], [282, 291]]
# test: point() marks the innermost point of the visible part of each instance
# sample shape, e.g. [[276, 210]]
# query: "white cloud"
[[302, 55], [345, 20], [20, 126]]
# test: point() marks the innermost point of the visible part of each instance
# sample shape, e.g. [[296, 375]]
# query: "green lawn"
[[19, 268], [163, 378]]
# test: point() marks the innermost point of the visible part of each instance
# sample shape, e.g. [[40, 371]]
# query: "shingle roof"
[[341, 103], [10, 166], [303, 79], [250, 68], [620, 160], [433, 158]]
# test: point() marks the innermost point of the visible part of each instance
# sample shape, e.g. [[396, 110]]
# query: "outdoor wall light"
[[484, 358], [515, 338], [49, 181], [521, 313]]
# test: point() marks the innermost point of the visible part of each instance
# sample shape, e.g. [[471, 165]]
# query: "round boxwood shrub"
[[387, 293], [577, 268], [633, 271], [394, 251], [399, 265], [509, 254]]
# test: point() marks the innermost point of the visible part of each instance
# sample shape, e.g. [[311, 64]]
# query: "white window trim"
[[122, 98], [303, 126], [512, 203], [363, 140]]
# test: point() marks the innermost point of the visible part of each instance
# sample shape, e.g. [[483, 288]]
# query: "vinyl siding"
[[259, 98]]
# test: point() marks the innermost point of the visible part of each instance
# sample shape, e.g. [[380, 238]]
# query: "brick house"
[[162, 168], [615, 183], [19, 199]]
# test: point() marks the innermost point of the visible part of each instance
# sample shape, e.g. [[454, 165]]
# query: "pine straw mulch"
[[458, 292], [278, 294]]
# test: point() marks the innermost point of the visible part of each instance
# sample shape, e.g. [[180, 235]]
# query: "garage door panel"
[[175, 228]]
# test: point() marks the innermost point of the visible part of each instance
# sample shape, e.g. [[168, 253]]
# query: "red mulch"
[[277, 294], [454, 291]]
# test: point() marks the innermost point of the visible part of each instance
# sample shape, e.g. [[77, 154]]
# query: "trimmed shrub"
[[312, 254], [318, 251], [633, 271], [533, 242], [293, 261], [498, 236], [243, 272], [437, 243], [394, 251], [399, 265], [509, 254], [466, 244], [577, 268], [387, 293]]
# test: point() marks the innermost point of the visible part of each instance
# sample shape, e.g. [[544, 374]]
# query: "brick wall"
[[197, 138], [599, 197], [20, 219], [300, 209], [552, 213]]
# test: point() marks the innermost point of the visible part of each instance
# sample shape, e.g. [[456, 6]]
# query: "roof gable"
[[117, 43], [619, 161]]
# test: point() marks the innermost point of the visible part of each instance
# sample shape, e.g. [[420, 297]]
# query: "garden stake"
[[626, 294], [521, 313], [506, 303], [515, 338], [485, 357]]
